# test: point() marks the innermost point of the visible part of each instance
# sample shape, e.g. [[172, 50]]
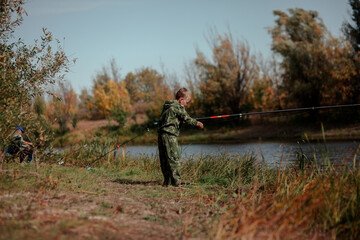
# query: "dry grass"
[[62, 202], [303, 205], [232, 197]]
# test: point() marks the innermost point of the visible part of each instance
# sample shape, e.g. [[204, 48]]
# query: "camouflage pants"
[[169, 158]]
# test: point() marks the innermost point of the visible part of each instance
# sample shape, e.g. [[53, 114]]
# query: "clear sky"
[[157, 33]]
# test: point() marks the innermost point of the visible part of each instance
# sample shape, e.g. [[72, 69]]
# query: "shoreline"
[[254, 133]]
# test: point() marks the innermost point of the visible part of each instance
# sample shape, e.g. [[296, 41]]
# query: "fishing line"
[[120, 145], [277, 111], [234, 115]]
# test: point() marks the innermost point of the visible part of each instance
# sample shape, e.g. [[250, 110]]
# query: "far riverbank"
[[103, 131]]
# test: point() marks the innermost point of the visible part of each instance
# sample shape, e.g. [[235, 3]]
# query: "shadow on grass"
[[132, 182]]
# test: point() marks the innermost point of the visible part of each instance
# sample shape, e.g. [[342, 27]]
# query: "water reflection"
[[270, 152]]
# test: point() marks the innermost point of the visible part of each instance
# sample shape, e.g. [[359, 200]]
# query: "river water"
[[269, 152]]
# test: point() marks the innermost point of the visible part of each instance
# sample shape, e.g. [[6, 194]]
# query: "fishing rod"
[[274, 111], [67, 155], [234, 115], [277, 111], [118, 146]]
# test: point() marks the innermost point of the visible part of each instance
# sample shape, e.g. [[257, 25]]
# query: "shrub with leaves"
[[317, 67], [24, 73], [119, 115], [62, 107]]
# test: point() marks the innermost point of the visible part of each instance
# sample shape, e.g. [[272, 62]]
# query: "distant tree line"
[[309, 67]]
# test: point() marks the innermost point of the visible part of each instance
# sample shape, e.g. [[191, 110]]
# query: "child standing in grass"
[[172, 117]]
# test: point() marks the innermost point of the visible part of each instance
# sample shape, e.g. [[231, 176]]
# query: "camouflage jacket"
[[172, 117], [17, 143]]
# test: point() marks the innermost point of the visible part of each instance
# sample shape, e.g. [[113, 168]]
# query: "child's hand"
[[200, 125]]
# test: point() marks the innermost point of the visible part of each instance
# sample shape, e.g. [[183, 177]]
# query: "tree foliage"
[[110, 95], [110, 72], [313, 61], [39, 105], [351, 31], [148, 91], [266, 91], [224, 81], [24, 71], [86, 107], [119, 115], [63, 106]]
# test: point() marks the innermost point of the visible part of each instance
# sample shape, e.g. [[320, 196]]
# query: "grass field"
[[231, 197]]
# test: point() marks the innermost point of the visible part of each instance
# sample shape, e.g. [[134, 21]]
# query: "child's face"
[[185, 101]]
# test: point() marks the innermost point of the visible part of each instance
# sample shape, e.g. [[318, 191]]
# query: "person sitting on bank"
[[19, 146]]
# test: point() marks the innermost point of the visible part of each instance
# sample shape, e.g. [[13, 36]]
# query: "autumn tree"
[[111, 96], [39, 105], [224, 81], [25, 71], [266, 91], [341, 87], [86, 106], [147, 90], [63, 106], [351, 31], [110, 72], [313, 61], [192, 73]]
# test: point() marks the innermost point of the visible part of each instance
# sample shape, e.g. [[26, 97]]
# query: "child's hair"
[[181, 93]]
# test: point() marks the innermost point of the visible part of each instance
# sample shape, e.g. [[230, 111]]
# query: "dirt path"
[[119, 210]]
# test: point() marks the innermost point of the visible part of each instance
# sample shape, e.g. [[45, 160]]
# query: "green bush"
[[25, 72]]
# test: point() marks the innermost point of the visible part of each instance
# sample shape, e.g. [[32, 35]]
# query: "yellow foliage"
[[63, 104], [110, 95], [224, 81], [317, 67], [148, 91]]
